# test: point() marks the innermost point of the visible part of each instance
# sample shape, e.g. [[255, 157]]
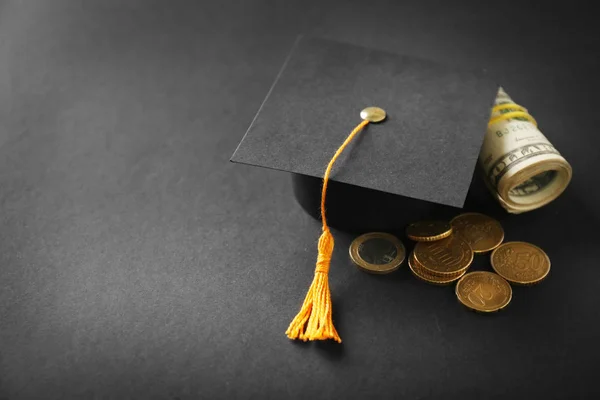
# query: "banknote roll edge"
[[563, 174]]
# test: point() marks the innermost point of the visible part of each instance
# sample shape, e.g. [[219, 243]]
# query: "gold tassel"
[[314, 321]]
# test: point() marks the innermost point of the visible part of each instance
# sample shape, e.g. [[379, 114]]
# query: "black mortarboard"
[[420, 159]]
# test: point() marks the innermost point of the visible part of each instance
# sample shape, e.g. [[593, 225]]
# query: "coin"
[[480, 231], [377, 252], [444, 257], [521, 263], [373, 114], [428, 231], [422, 274], [483, 291]]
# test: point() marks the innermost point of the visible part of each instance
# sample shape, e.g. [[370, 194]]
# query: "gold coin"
[[422, 274], [444, 257], [428, 231], [483, 291], [373, 114], [377, 252], [521, 263], [481, 232]]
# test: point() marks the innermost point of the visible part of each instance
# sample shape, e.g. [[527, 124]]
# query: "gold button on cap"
[[373, 114]]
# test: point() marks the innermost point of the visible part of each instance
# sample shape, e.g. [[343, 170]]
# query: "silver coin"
[[377, 252]]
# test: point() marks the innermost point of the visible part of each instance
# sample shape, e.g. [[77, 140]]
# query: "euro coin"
[[428, 231], [521, 263], [444, 257], [377, 252], [422, 274], [483, 233], [483, 291]]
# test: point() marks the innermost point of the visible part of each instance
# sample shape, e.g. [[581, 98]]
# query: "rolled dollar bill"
[[521, 167]]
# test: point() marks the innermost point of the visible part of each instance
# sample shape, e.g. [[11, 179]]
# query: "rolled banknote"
[[521, 167]]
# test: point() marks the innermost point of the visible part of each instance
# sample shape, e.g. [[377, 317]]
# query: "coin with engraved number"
[[444, 257], [483, 291], [483, 233], [521, 263], [377, 252], [422, 274], [428, 231]]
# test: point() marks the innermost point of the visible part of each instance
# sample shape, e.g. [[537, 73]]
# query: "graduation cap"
[[404, 134]]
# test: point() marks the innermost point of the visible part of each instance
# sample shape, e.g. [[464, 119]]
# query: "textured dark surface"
[[137, 262], [426, 149]]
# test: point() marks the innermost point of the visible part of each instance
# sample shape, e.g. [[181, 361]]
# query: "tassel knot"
[[325, 251]]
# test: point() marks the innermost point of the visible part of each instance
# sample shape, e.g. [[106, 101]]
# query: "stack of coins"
[[444, 252], [441, 262]]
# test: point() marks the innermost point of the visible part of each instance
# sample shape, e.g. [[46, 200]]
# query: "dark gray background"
[[137, 262]]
